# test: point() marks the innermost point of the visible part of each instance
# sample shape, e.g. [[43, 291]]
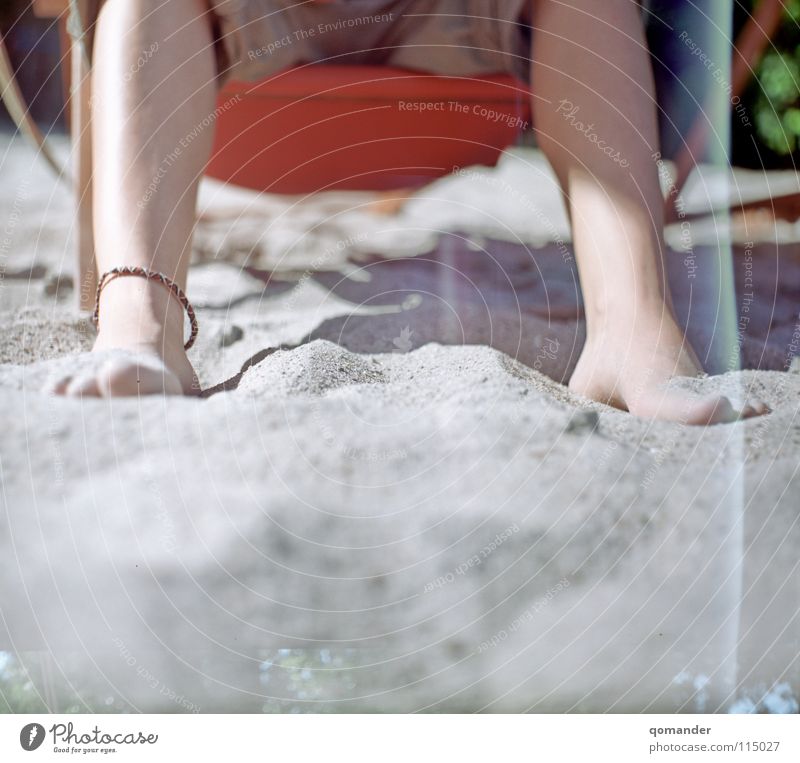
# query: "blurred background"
[[769, 138]]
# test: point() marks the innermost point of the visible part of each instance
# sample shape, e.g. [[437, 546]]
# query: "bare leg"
[[149, 150], [595, 114]]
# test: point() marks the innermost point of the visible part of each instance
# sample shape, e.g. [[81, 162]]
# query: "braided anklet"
[[152, 275]]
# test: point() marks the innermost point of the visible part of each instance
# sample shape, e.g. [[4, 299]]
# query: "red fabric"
[[318, 127]]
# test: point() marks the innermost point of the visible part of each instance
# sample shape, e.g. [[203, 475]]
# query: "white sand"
[[452, 525]]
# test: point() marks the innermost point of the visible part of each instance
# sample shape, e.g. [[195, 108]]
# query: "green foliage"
[[22, 681], [776, 93], [308, 680], [17, 692], [292, 681]]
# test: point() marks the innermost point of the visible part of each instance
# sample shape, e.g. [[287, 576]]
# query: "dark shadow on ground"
[[526, 302]]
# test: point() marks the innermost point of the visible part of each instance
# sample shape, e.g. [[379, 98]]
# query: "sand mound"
[[387, 502], [436, 508]]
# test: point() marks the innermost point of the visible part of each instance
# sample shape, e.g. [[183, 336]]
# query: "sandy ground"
[[386, 499]]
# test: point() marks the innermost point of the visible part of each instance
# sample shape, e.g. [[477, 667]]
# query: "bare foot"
[[631, 369], [129, 372], [139, 346]]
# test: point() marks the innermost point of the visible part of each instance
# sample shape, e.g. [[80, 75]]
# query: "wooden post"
[[81, 131]]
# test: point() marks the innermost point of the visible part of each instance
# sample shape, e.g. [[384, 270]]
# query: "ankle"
[[636, 317], [141, 312]]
